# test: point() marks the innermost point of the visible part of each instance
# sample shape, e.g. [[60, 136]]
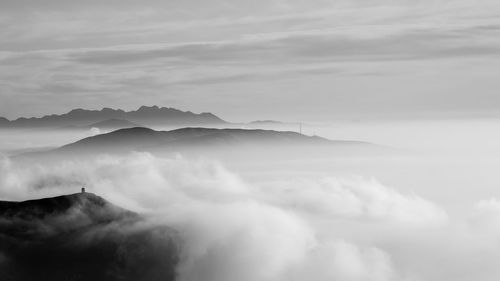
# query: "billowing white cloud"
[[342, 260], [486, 215], [242, 240], [356, 199], [294, 229]]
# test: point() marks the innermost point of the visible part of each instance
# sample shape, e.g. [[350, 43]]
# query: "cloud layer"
[[291, 229]]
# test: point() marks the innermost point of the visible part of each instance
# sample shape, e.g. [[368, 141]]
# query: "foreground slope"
[[82, 237]]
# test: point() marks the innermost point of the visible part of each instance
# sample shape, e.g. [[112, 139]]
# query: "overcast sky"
[[312, 60]]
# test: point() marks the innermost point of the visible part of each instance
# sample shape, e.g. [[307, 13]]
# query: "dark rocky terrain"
[[82, 237]]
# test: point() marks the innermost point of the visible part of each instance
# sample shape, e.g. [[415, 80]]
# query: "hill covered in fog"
[[82, 237], [145, 139]]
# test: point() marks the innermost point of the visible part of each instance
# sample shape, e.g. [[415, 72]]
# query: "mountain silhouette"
[[82, 237], [4, 121], [113, 124], [145, 115], [145, 139]]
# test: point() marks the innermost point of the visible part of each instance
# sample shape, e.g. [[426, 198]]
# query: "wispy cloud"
[[157, 47]]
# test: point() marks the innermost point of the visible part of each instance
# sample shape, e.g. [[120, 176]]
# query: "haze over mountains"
[[145, 139], [145, 115], [112, 124], [118, 131]]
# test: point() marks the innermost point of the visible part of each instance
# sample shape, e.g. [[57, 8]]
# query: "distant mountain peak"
[[76, 110], [148, 108], [206, 113], [135, 131], [144, 115]]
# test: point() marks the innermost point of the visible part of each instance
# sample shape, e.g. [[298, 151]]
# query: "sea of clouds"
[[293, 228]]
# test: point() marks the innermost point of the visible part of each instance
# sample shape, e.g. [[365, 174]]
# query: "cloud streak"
[[177, 47], [326, 46]]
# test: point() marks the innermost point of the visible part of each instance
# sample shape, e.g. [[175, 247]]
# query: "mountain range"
[[145, 115], [82, 237]]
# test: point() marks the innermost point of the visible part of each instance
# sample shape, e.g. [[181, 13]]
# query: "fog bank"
[[343, 228]]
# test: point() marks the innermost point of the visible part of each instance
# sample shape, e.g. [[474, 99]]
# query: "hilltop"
[[82, 237]]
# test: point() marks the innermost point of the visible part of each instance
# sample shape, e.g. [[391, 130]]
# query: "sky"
[[244, 60]]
